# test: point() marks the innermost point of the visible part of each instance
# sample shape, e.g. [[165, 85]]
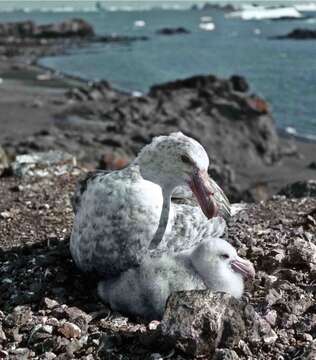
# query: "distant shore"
[[29, 106], [44, 109]]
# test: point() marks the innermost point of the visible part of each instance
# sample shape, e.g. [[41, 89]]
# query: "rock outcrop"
[[65, 29], [235, 126], [298, 34], [173, 31], [300, 189], [28, 39]]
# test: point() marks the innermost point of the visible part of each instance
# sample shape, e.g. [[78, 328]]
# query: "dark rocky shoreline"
[[298, 34], [107, 128], [31, 41]]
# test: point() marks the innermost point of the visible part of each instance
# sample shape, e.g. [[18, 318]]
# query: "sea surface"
[[281, 71]]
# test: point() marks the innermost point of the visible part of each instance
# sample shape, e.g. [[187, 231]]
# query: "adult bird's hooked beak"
[[210, 196], [244, 267]]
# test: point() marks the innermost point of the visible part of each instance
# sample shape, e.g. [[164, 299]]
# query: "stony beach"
[[48, 309]]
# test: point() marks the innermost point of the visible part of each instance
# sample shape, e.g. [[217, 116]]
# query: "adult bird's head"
[[175, 160], [220, 266]]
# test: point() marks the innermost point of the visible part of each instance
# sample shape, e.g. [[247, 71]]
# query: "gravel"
[[50, 310]]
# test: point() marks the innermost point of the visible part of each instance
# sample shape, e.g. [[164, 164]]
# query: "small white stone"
[[308, 337], [7, 281], [153, 325], [47, 329], [271, 317], [156, 356], [5, 214], [270, 338], [49, 356]]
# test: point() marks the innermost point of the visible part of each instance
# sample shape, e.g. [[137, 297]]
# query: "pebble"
[[5, 214], [48, 356], [2, 335], [50, 303], [70, 330], [270, 338], [271, 317]]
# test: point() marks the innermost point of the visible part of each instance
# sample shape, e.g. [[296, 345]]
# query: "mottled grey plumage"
[[119, 214], [143, 291]]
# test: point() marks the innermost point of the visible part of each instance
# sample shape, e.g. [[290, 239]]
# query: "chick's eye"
[[185, 159], [224, 256]]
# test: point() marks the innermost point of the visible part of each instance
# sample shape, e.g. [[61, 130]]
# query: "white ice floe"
[[207, 26], [139, 23], [206, 19], [305, 7], [291, 130], [262, 13]]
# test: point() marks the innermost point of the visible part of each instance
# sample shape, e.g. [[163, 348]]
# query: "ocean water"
[[281, 71]]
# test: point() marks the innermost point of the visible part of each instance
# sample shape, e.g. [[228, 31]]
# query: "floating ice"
[[206, 19], [305, 7], [262, 13], [291, 130], [139, 23], [207, 26]]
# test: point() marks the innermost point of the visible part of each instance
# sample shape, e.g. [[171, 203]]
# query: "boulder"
[[67, 28], [299, 34], [173, 31], [239, 83], [198, 322], [312, 165], [299, 189], [43, 164]]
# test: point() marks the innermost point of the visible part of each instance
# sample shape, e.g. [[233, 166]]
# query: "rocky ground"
[[49, 309], [106, 128]]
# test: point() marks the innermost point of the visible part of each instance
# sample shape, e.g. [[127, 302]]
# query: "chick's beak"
[[209, 195], [244, 267]]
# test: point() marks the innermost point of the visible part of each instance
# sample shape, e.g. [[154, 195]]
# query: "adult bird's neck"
[[164, 218]]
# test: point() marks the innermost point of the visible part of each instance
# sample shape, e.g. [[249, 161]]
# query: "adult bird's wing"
[[223, 203], [82, 187]]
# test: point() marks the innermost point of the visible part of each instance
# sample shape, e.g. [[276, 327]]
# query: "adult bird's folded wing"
[[82, 187], [224, 207]]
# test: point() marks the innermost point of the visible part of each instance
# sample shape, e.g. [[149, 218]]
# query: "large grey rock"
[[300, 189], [298, 34], [198, 322], [43, 164]]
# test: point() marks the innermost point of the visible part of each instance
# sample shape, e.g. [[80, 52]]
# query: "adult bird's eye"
[[186, 159], [224, 256]]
